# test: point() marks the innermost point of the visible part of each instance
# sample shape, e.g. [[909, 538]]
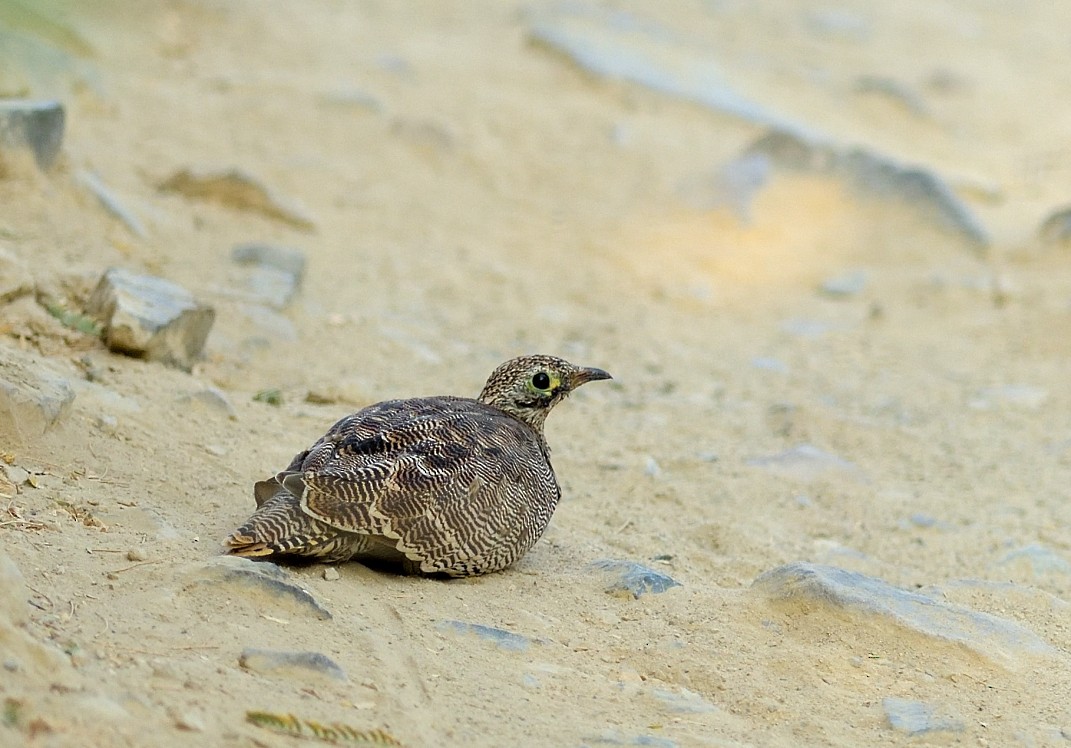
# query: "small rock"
[[33, 125], [136, 554], [189, 721], [275, 272], [1038, 559], [331, 574], [295, 665], [631, 579], [651, 468], [111, 203], [844, 286], [34, 396], [620, 46], [150, 317], [212, 398], [807, 463], [502, 638], [258, 577], [683, 700], [768, 363], [877, 176], [1016, 395], [239, 190], [1056, 229], [917, 717], [816, 588]]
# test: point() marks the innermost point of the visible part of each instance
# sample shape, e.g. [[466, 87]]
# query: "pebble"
[[502, 639], [136, 554], [274, 273], [632, 579], [36, 126], [296, 665], [34, 395], [212, 398], [238, 190], [683, 700], [258, 578], [150, 317], [844, 286], [918, 717], [807, 463], [856, 596], [331, 574], [1023, 396]]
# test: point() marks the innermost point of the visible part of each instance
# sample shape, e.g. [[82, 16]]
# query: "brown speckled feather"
[[438, 485]]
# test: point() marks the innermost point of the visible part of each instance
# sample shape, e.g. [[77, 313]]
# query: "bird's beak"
[[585, 375]]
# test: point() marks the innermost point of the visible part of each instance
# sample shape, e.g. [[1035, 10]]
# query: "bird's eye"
[[541, 381]]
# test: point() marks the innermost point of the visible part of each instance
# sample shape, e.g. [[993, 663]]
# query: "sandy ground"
[[475, 195]]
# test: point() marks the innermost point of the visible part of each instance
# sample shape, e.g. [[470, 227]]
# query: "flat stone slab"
[[292, 665], [499, 637], [150, 317], [632, 579], [848, 593], [258, 578]]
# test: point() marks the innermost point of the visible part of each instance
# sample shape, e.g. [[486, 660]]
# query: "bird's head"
[[529, 386]]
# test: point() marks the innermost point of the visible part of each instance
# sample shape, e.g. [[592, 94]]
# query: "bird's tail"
[[279, 527]]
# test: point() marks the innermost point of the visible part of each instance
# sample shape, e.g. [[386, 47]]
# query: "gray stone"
[[150, 317], [238, 190], [212, 398], [1010, 395], [15, 278], [843, 593], [622, 46], [36, 126], [918, 717], [806, 462], [500, 637], [1055, 230], [628, 578], [111, 203], [258, 579], [292, 665], [875, 176], [844, 286], [683, 700], [274, 272], [34, 395], [1038, 559]]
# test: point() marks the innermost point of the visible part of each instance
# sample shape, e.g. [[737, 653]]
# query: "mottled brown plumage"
[[436, 485]]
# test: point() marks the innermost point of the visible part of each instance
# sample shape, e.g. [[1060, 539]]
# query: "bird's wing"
[[432, 481]]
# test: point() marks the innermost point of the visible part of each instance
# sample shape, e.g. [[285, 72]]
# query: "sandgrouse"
[[442, 486]]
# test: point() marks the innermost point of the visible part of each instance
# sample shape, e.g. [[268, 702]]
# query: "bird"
[[439, 486]]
